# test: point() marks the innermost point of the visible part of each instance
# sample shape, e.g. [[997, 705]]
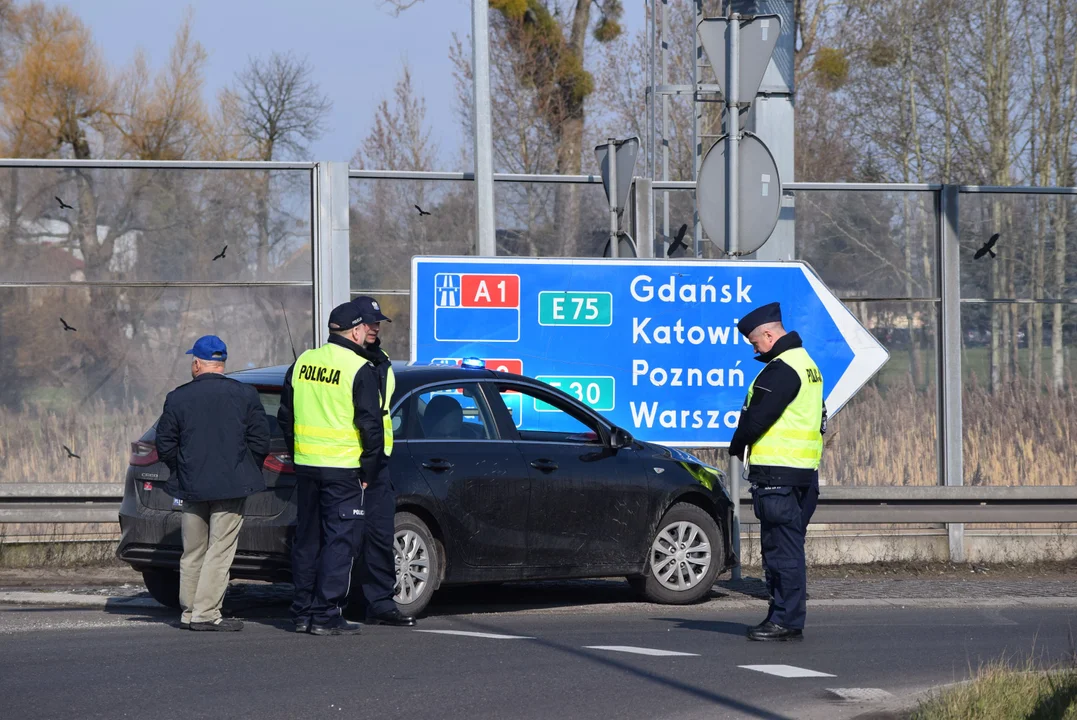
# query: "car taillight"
[[144, 453], [280, 463]]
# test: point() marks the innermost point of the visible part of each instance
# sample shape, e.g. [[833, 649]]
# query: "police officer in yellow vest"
[[780, 438], [376, 544], [333, 416]]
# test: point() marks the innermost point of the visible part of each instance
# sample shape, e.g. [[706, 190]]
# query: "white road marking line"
[[786, 671], [640, 650], [860, 694], [491, 636]]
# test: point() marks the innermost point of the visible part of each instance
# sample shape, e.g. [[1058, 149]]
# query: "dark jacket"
[[214, 436], [367, 389], [776, 386]]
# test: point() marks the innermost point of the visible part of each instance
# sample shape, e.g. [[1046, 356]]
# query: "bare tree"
[[400, 138], [275, 109], [278, 108], [164, 118]]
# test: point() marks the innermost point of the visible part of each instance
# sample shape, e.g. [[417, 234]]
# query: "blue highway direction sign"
[[652, 345]]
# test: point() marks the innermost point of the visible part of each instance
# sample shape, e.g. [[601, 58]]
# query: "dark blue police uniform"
[[784, 498], [375, 542], [330, 502]]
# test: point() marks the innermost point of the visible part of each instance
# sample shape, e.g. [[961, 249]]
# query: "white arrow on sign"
[[869, 355]]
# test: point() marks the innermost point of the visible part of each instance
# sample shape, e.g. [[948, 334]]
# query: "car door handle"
[[437, 464], [544, 465]]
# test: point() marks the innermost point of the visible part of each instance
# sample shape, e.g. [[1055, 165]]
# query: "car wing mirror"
[[620, 438]]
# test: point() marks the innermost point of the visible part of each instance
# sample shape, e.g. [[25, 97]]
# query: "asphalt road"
[[594, 657]]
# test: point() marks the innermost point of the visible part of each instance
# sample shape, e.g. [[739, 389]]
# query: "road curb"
[[69, 599], [66, 599], [1003, 601]]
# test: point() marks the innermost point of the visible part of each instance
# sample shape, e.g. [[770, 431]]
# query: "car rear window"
[[270, 401]]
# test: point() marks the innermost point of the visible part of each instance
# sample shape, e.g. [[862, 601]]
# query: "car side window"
[[400, 418], [450, 413], [543, 417]]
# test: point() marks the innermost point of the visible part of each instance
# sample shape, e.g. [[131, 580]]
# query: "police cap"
[[369, 310], [769, 313], [344, 317]]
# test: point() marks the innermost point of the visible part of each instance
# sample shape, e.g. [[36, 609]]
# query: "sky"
[[356, 48]]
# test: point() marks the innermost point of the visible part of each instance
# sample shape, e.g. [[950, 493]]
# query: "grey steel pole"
[[485, 242], [951, 460], [697, 135], [652, 157], [643, 217], [665, 116], [732, 221], [611, 153], [332, 282]]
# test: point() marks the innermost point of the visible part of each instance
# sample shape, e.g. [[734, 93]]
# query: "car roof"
[[407, 376]]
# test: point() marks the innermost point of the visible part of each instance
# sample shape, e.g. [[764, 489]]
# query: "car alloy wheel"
[[680, 556], [412, 566]]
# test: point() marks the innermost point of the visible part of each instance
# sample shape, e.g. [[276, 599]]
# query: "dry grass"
[[1002, 693], [888, 437], [883, 437], [32, 440]]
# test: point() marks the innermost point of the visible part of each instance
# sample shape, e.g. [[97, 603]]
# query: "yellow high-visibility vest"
[[386, 401], [325, 432], [795, 440]]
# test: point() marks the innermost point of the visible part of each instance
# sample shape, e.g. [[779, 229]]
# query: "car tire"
[[163, 585], [416, 548], [694, 565]]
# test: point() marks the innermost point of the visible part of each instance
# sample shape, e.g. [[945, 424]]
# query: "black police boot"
[[393, 617], [302, 625], [336, 626], [761, 625], [769, 631]]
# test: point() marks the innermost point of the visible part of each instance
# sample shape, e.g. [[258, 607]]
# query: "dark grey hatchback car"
[[485, 493]]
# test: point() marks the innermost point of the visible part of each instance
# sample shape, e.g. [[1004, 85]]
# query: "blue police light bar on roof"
[[473, 363]]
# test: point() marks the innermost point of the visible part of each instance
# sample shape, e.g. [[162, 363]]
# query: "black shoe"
[[185, 625], [393, 617], [765, 624], [336, 626], [302, 626], [772, 631], [219, 625]]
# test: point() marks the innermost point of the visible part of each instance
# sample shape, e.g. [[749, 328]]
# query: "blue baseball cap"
[[209, 347]]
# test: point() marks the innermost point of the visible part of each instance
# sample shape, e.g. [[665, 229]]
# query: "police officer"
[[329, 396], [377, 565], [780, 438]]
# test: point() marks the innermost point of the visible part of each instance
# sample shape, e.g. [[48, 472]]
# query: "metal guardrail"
[[938, 504], [100, 502], [60, 502]]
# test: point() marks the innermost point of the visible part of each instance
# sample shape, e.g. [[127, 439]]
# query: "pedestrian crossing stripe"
[[488, 636], [640, 651], [786, 671]]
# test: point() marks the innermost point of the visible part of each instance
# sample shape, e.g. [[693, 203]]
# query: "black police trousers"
[[329, 509], [375, 539], [784, 514]]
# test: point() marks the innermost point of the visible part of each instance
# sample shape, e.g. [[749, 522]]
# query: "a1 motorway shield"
[[652, 345]]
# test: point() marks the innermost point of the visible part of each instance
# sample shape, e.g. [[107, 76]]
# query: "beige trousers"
[[210, 534]]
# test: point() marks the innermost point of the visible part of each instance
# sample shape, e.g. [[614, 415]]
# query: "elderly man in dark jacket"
[[214, 436]]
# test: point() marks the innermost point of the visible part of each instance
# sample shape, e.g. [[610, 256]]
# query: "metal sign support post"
[[485, 238], [612, 145], [697, 133], [732, 127], [665, 123]]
